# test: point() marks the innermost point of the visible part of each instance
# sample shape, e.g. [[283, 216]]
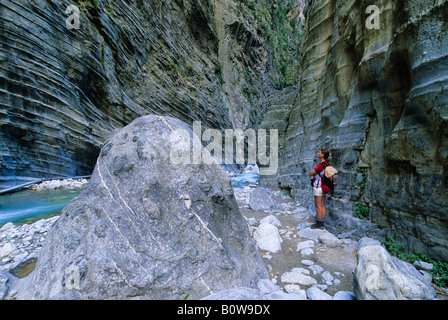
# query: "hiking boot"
[[318, 225]]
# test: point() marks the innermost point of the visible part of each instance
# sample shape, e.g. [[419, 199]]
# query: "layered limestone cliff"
[[63, 91], [373, 91]]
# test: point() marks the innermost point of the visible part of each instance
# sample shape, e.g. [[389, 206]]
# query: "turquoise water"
[[28, 206]]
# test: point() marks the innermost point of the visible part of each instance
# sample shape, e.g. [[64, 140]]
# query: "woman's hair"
[[326, 153]]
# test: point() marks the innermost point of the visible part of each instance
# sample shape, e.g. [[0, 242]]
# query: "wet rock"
[[27, 240]]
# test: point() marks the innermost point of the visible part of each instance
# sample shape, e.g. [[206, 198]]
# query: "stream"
[[28, 206]]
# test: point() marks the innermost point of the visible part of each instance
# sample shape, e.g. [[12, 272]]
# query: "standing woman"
[[319, 195]]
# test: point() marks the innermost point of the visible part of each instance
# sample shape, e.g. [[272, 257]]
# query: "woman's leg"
[[320, 211], [317, 204], [320, 207]]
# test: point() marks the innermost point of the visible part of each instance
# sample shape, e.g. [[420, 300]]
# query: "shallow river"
[[28, 206]]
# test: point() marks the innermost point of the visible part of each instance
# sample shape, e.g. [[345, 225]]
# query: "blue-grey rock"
[[314, 293], [344, 295], [267, 286], [281, 295], [261, 199], [3, 284], [376, 99], [379, 276], [64, 91]]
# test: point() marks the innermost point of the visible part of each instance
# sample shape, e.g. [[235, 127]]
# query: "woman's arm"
[[312, 172]]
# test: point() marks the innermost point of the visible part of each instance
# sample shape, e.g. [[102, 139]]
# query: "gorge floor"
[[331, 265]]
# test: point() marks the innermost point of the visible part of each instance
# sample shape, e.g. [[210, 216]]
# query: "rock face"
[[145, 228], [268, 238], [376, 99], [63, 92], [262, 199], [379, 276]]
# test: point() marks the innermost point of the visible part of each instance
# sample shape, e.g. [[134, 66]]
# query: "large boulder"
[[379, 276], [145, 228], [261, 199]]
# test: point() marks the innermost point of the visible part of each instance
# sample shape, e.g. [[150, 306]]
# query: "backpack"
[[329, 179]]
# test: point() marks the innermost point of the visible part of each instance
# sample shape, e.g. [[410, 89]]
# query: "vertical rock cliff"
[[63, 91], [375, 95]]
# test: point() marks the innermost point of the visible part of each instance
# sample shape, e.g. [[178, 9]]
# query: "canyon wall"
[[376, 98], [64, 91], [375, 95]]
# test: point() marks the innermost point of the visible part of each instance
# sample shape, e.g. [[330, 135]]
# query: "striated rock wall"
[[62, 92], [377, 99]]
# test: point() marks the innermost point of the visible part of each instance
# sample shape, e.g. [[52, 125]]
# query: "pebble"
[[344, 295], [267, 286], [307, 262], [316, 269], [329, 240], [311, 280], [421, 265], [281, 295], [68, 183], [272, 220]]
